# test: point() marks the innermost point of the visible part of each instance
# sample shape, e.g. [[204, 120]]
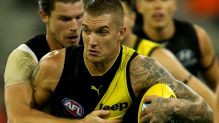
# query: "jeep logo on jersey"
[[119, 106], [73, 107]]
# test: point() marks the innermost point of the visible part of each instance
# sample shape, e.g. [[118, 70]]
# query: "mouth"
[[93, 52], [73, 39], [158, 16]]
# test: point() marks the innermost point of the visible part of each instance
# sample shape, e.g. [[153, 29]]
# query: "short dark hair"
[[101, 7], [48, 5]]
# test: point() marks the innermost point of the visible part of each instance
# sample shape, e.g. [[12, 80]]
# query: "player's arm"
[[19, 103], [209, 64], [146, 72], [170, 62], [19, 93], [20, 109], [46, 76]]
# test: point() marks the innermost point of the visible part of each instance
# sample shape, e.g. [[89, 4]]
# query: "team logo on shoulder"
[[187, 57], [73, 107]]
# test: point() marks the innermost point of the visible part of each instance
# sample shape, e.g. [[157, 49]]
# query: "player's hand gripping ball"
[[161, 90]]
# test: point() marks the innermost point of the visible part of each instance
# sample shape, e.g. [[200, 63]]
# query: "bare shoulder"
[[52, 60], [203, 37], [206, 46], [199, 29], [49, 69], [54, 56]]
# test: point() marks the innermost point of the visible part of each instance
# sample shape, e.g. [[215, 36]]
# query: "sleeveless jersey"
[[183, 44], [23, 60], [39, 45], [145, 47], [78, 92]]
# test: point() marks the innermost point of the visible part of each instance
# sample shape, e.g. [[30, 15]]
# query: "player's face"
[[157, 13], [64, 23], [101, 37]]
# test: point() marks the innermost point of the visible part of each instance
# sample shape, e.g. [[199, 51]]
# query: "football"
[[161, 90]]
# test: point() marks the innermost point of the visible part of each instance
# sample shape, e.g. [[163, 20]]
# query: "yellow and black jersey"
[[145, 47], [78, 92]]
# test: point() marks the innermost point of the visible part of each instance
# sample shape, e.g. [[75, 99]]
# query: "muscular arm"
[[20, 110], [18, 90], [44, 78], [146, 72], [19, 104], [170, 62], [209, 63]]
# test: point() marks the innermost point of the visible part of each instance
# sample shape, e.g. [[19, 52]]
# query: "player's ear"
[[43, 16]]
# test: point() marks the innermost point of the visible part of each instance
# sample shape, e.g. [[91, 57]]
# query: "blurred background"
[[19, 21]]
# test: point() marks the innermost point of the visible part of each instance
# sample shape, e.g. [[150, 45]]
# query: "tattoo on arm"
[[149, 72], [146, 72]]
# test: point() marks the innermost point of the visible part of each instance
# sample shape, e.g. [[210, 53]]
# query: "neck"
[[130, 40], [53, 44], [159, 34], [100, 68]]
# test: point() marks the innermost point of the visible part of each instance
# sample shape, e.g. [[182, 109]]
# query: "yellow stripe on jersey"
[[117, 98], [145, 47]]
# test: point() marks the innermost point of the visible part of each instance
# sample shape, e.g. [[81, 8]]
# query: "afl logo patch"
[[73, 107]]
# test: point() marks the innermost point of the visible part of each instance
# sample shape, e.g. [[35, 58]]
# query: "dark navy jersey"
[[183, 44], [38, 45]]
